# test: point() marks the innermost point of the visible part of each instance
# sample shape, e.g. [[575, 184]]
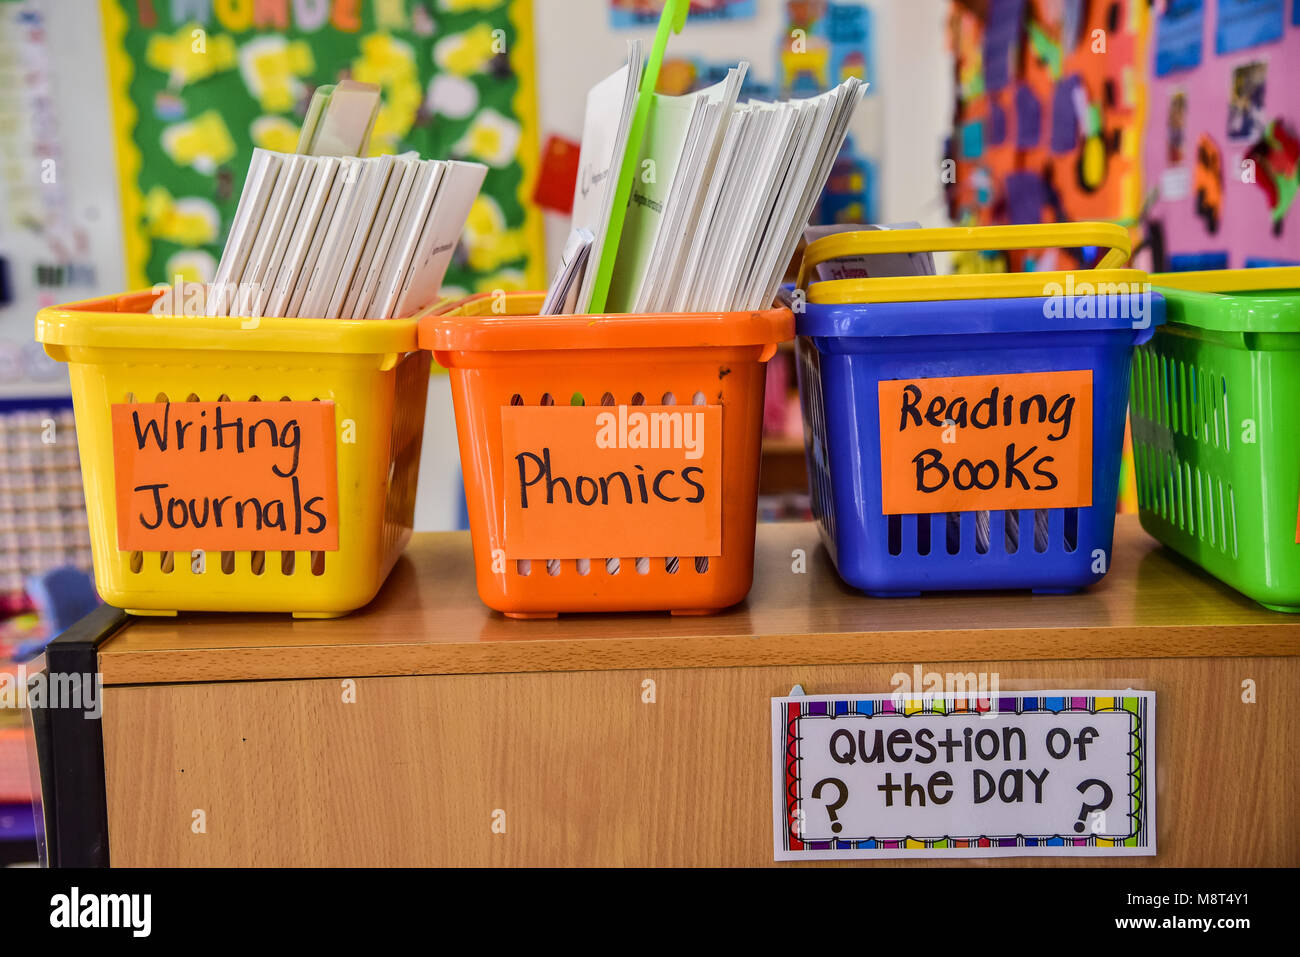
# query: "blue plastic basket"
[[845, 350]]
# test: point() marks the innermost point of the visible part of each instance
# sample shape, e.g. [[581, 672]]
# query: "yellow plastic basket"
[[118, 351]]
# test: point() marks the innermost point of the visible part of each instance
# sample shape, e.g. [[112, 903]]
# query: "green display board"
[[197, 84]]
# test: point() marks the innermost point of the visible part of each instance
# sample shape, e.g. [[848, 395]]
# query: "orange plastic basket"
[[500, 354]]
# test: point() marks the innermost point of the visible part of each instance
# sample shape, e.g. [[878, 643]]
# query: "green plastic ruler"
[[672, 21]]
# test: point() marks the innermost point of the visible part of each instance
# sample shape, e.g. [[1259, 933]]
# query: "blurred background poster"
[[640, 13], [194, 87]]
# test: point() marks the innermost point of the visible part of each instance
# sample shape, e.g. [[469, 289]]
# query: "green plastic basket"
[[1216, 428]]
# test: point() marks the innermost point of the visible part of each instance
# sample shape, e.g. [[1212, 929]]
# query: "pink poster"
[[1223, 147]]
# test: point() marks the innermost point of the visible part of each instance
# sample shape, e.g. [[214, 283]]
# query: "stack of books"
[[721, 192]]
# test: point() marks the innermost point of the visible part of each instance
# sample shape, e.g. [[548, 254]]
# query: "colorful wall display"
[[1222, 153], [1179, 30], [825, 43], [683, 74], [1191, 135], [55, 243], [835, 42], [197, 84], [818, 45], [1049, 112]]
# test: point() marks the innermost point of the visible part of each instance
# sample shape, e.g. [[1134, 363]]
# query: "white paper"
[[259, 185], [750, 228], [740, 185], [270, 271], [344, 262], [611, 104], [877, 265], [409, 228], [769, 222], [357, 197], [773, 256], [845, 100], [375, 254], [562, 294], [253, 283], [295, 254], [670, 121], [345, 180], [456, 194], [769, 170], [696, 241], [674, 248]]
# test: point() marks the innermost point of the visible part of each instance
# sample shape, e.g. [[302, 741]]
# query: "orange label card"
[[226, 476], [612, 481], [972, 443]]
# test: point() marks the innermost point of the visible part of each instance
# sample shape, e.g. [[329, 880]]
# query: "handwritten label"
[[612, 481], [971, 443], [943, 774], [226, 476]]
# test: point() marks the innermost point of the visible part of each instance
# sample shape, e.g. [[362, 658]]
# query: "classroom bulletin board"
[[836, 40], [195, 85], [1050, 106], [1223, 143]]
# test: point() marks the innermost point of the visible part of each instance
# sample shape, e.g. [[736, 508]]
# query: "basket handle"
[[1112, 236], [1263, 279]]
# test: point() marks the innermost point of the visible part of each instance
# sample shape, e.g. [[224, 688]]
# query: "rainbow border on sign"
[[1019, 703]]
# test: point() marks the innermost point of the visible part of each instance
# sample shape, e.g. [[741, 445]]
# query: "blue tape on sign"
[[1197, 262], [1178, 36], [1259, 263]]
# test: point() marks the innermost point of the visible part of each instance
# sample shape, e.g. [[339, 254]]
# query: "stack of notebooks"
[[339, 237], [721, 195]]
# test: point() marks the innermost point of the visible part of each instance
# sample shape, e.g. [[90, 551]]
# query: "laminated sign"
[[226, 476], [964, 774], [987, 442], [612, 481]]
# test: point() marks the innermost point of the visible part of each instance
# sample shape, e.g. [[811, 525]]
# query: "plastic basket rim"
[[88, 324], [453, 329], [891, 320], [1255, 310]]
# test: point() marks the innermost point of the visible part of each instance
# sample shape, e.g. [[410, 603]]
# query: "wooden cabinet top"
[[429, 620]]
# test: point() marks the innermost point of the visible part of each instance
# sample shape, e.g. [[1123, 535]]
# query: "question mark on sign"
[[831, 809], [1089, 809]]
